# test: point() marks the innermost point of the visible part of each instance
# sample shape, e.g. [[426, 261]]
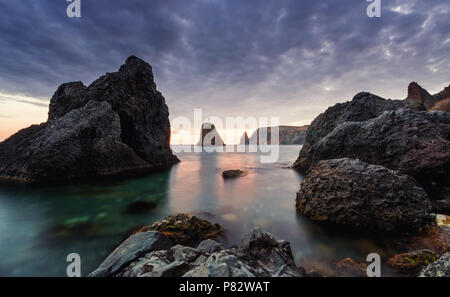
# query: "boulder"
[[118, 124], [411, 263], [134, 247], [349, 267], [210, 259], [415, 143], [359, 195], [439, 268], [185, 229]]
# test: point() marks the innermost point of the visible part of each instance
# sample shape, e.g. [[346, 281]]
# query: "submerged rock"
[[210, 259], [412, 262], [118, 124], [186, 229], [439, 268], [355, 194], [232, 173]]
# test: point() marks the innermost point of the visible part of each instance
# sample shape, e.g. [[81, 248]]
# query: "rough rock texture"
[[185, 229], [287, 135], [412, 262], [364, 106], [349, 267], [232, 173], [359, 195], [419, 98], [260, 255], [117, 124], [415, 143], [439, 268], [134, 247]]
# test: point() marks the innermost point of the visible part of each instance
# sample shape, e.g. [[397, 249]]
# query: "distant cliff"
[[288, 135]]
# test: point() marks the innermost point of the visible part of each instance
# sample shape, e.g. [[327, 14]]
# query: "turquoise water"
[[39, 227]]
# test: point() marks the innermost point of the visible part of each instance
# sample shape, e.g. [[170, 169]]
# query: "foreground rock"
[[232, 173], [355, 194], [185, 229], [260, 255], [412, 262], [439, 268], [118, 124]]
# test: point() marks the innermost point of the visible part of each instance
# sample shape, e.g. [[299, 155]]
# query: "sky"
[[289, 59]]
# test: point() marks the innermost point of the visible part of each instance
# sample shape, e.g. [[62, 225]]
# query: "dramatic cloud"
[[287, 58]]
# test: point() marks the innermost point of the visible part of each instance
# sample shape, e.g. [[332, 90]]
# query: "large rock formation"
[[260, 255], [355, 194], [287, 135], [118, 124]]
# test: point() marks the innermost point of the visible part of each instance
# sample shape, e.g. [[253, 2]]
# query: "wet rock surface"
[[118, 124], [359, 195]]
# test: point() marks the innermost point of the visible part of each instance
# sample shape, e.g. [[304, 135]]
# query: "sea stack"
[[118, 124], [209, 136]]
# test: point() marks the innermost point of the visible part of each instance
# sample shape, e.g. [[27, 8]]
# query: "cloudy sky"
[[264, 58]]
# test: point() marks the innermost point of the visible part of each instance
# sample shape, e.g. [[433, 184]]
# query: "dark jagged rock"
[[185, 229], [415, 143], [267, 257], [364, 106], [140, 207], [358, 195], [118, 124], [439, 268], [209, 136], [134, 247], [412, 262]]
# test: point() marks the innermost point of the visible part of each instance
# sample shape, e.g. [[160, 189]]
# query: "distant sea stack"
[[119, 124], [209, 136], [288, 135]]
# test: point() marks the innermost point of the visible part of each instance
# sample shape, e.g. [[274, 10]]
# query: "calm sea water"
[[40, 227]]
